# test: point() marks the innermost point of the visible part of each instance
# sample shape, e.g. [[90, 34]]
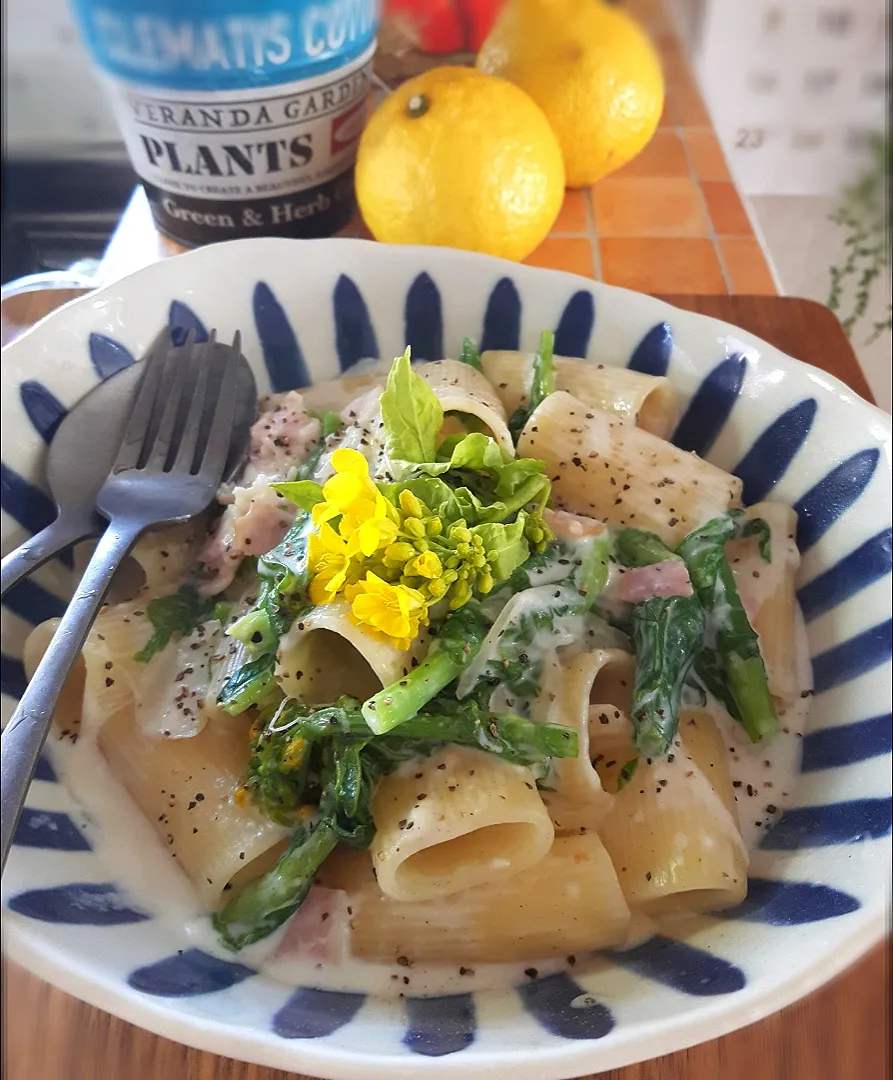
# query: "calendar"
[[796, 89]]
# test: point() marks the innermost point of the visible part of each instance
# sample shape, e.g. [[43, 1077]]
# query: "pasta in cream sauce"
[[473, 674]]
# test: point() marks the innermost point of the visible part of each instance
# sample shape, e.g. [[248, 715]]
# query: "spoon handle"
[[35, 551], [26, 732]]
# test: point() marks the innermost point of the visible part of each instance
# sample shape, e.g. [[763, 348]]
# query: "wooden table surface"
[[839, 1033]]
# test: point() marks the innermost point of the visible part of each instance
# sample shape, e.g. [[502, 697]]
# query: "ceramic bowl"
[[820, 880]]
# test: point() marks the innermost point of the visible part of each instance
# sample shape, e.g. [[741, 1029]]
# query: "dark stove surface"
[[57, 213]]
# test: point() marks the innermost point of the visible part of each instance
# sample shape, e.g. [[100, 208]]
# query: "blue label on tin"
[[225, 44]]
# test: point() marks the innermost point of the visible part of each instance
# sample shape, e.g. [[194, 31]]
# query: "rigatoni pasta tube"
[[185, 787], [578, 800], [460, 389], [569, 902], [623, 475], [325, 655], [768, 592], [454, 820], [648, 401], [673, 835]]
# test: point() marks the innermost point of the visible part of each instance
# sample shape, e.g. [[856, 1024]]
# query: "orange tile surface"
[[706, 155], [572, 216], [663, 156], [565, 253], [661, 265], [726, 209], [648, 207], [746, 266]]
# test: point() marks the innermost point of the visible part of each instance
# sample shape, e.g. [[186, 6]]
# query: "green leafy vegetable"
[[554, 613], [736, 641], [445, 720], [469, 354], [666, 634], [506, 546], [636, 547], [278, 766], [302, 493], [330, 421], [253, 684], [412, 414], [178, 614], [542, 383]]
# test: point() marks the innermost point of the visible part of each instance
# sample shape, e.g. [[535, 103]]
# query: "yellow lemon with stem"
[[456, 158], [591, 69]]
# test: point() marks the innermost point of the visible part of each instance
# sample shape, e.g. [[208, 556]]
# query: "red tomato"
[[445, 26]]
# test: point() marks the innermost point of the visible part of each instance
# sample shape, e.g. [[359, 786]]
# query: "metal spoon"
[[83, 451]]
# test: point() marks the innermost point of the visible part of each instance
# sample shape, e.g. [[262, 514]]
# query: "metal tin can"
[[241, 117]]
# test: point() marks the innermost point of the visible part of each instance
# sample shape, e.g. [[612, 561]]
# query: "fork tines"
[[184, 409]]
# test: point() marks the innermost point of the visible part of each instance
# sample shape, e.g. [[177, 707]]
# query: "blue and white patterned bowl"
[[819, 884]]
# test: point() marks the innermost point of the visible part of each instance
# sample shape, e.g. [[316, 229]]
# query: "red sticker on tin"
[[347, 127]]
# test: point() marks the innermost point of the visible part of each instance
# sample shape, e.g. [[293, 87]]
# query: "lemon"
[[592, 71], [455, 158]]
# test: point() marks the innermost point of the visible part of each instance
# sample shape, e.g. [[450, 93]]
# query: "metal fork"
[[168, 468]]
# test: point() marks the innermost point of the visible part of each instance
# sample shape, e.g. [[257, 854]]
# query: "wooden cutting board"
[[841, 1032]]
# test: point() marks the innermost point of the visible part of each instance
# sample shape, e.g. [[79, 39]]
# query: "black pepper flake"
[[466, 971], [403, 961], [648, 875], [442, 765], [572, 960], [531, 973], [771, 809]]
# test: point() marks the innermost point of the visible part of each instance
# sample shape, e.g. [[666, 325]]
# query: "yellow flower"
[[349, 484], [368, 525], [329, 561], [427, 565], [396, 611]]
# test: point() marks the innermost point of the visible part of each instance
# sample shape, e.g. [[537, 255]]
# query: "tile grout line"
[[592, 235]]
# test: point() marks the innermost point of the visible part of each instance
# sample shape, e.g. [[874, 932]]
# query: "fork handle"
[[36, 550], [24, 736]]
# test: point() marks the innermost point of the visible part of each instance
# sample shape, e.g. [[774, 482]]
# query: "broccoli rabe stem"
[[458, 642], [395, 704], [466, 723], [736, 640], [592, 574], [264, 905]]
